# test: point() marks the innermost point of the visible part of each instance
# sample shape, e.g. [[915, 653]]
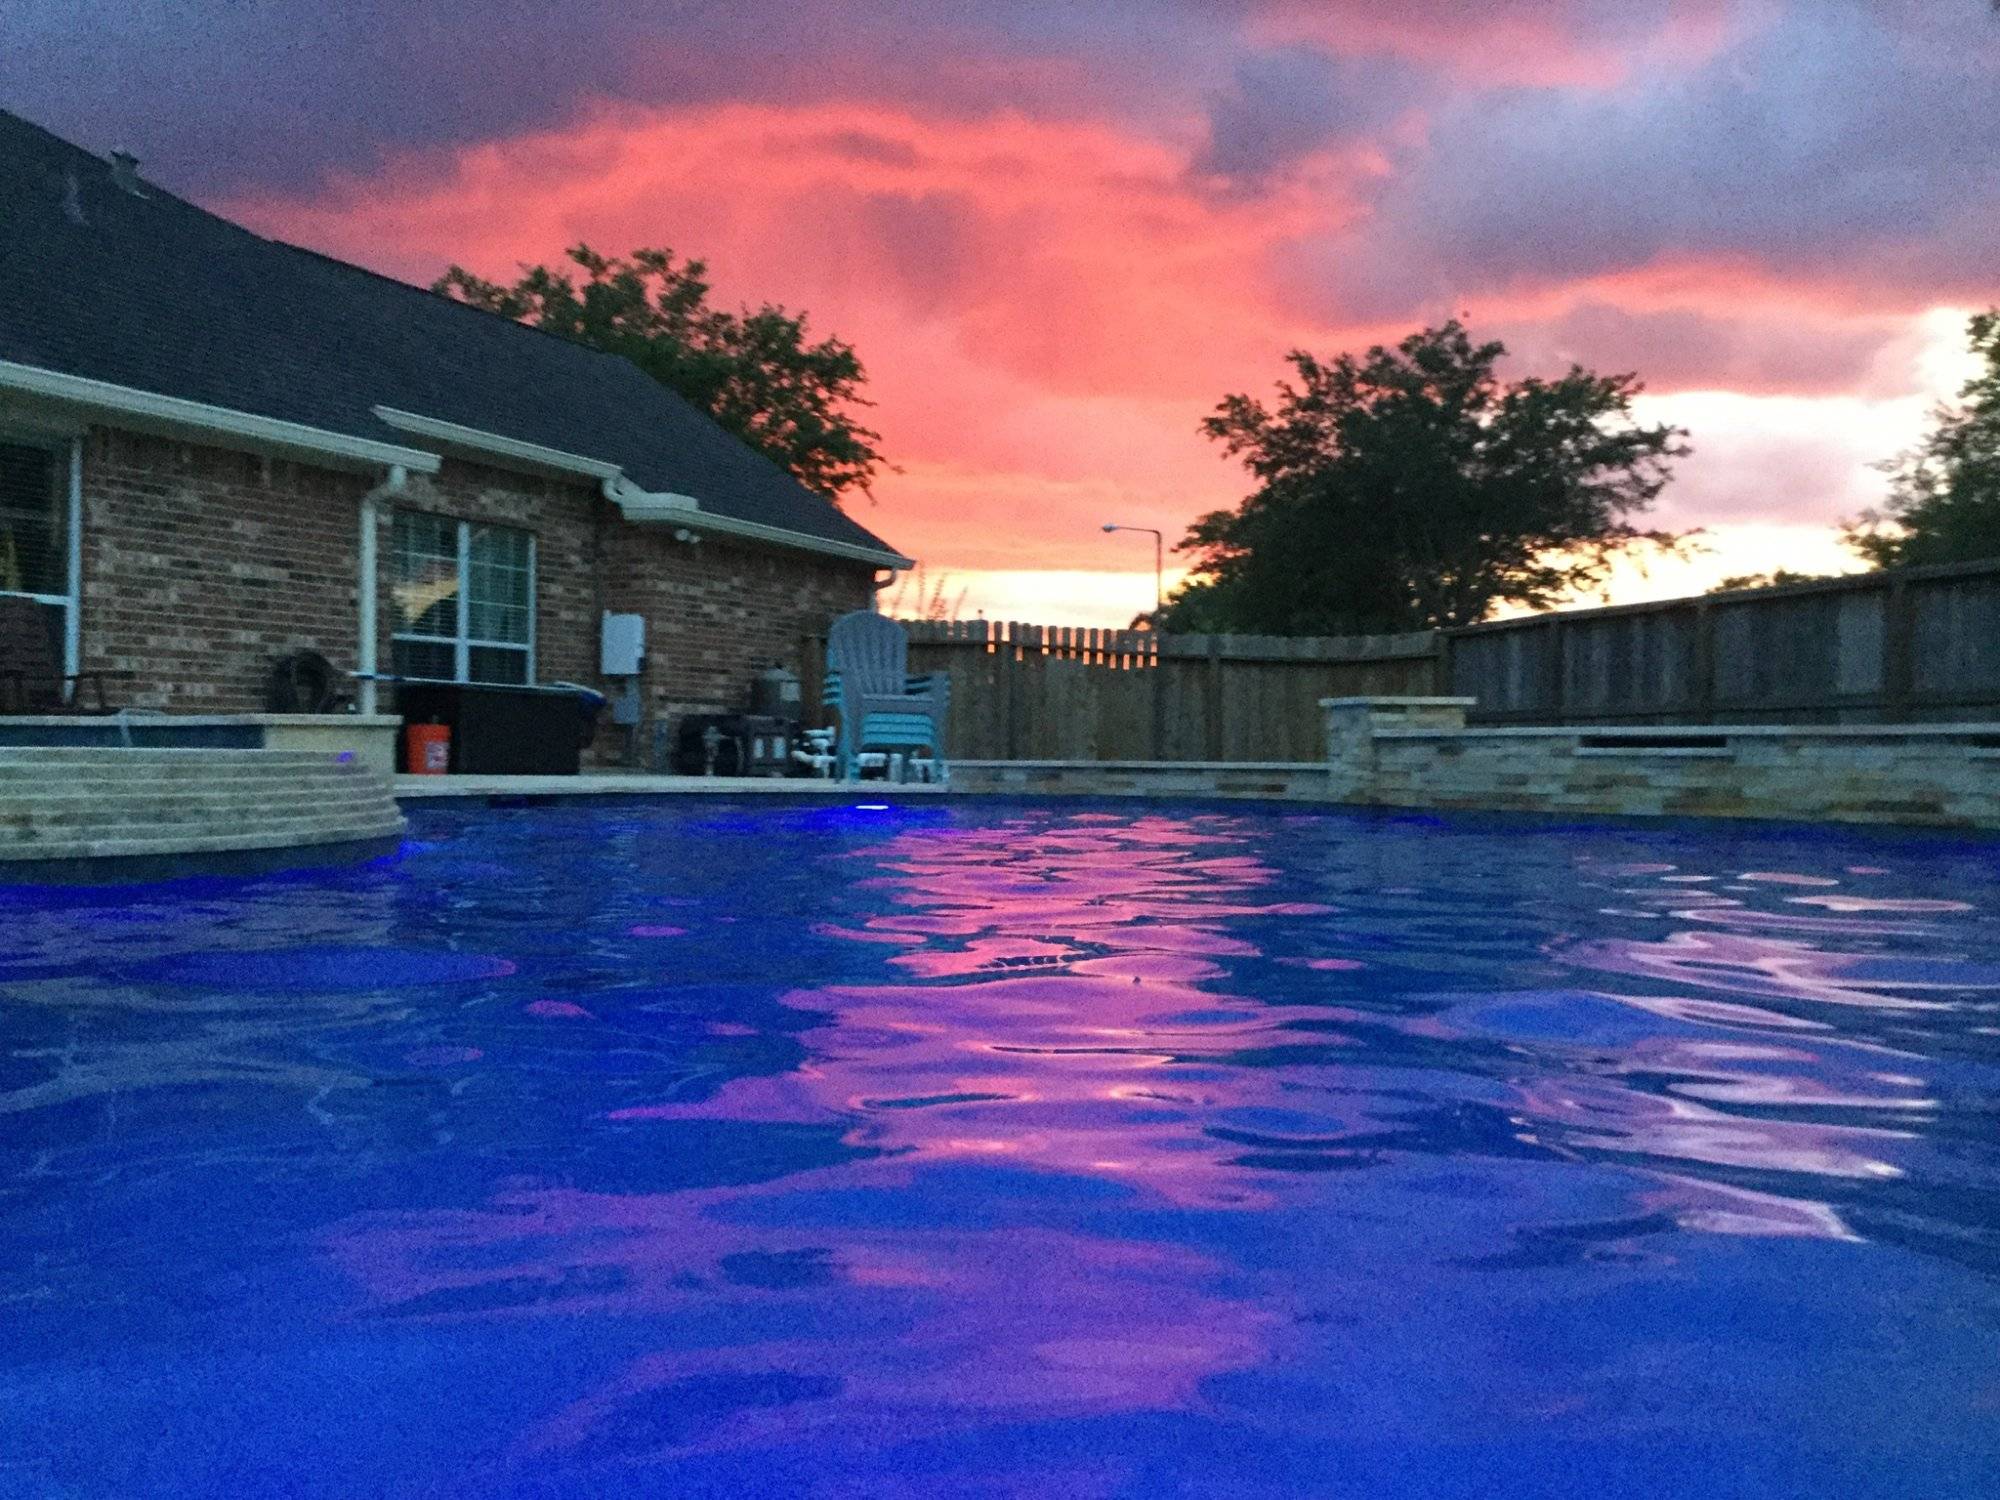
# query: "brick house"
[[216, 449]]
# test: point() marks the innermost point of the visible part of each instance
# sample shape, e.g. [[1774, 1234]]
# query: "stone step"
[[29, 823], [268, 816], [209, 805], [69, 802], [121, 769], [58, 775], [101, 846], [155, 755], [81, 790], [43, 787], [219, 820]]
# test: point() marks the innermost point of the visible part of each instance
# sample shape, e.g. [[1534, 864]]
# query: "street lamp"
[[1159, 564]]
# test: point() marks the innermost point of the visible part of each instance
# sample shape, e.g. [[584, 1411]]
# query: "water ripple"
[[1035, 1149]]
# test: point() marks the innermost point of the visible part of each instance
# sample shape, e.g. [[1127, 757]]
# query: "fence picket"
[[1021, 690]]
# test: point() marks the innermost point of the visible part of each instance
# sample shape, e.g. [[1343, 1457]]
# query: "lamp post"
[[1159, 564]]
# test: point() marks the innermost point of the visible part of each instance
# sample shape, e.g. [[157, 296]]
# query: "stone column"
[[1353, 723]]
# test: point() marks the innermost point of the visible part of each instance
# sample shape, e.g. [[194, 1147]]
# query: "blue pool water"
[[1011, 1150]]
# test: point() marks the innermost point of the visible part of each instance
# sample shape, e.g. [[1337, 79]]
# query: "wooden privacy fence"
[[1913, 644], [1034, 692]]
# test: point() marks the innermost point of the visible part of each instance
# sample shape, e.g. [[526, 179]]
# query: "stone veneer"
[[1417, 752], [201, 565], [100, 812]]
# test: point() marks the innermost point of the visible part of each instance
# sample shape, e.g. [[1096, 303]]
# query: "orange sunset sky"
[[1059, 233]]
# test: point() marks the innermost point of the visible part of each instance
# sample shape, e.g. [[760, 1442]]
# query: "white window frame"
[[71, 601], [462, 643]]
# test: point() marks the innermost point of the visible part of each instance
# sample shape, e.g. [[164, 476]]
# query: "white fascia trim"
[[683, 510], [150, 409], [494, 445]]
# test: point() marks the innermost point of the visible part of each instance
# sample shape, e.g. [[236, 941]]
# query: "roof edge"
[[175, 416], [496, 445], [643, 508]]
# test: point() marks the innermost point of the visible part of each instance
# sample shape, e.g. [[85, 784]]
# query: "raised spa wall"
[[1418, 752], [366, 740]]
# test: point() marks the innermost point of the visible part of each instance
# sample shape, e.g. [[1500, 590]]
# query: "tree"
[[915, 598], [754, 372], [1944, 494], [1412, 487], [1776, 578]]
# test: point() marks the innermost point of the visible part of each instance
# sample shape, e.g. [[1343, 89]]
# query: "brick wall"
[[719, 612], [201, 565]]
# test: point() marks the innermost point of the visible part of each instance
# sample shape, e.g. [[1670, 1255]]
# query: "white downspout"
[[365, 659], [73, 617]]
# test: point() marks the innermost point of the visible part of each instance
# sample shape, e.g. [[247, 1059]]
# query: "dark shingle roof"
[[156, 294]]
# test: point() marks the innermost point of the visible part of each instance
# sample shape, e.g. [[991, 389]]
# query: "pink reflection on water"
[[1001, 1326], [1615, 1118], [1717, 1208], [1048, 1070], [856, 935], [557, 1010], [1053, 1016], [1777, 968], [1063, 1007], [1902, 906]]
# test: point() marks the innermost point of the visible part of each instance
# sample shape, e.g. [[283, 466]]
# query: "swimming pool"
[[1002, 1149]]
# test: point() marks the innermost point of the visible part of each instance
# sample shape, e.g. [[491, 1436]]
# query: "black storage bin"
[[499, 731]]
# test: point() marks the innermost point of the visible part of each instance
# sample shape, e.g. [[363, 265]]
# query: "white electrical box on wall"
[[623, 652]]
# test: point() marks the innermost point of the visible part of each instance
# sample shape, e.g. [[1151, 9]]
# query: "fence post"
[[1156, 677], [1010, 679], [1899, 650], [1559, 667], [1212, 743], [1702, 689]]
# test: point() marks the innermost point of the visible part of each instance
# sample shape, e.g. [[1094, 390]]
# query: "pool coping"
[[640, 784]]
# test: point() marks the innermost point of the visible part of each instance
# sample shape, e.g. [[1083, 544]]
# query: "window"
[[36, 535], [464, 600], [34, 524]]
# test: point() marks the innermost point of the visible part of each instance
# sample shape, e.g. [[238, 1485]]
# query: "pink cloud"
[[1540, 43], [1049, 303]]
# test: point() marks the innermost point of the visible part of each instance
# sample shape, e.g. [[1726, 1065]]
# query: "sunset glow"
[[1058, 235]]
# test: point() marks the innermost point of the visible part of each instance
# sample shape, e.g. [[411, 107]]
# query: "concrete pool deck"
[[1418, 754], [1307, 780], [81, 811]]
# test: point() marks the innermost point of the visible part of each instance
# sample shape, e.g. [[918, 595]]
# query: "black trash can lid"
[[590, 695]]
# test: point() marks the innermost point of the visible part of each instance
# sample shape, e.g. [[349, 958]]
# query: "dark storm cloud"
[[229, 95], [1850, 142], [1287, 104], [1847, 140]]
